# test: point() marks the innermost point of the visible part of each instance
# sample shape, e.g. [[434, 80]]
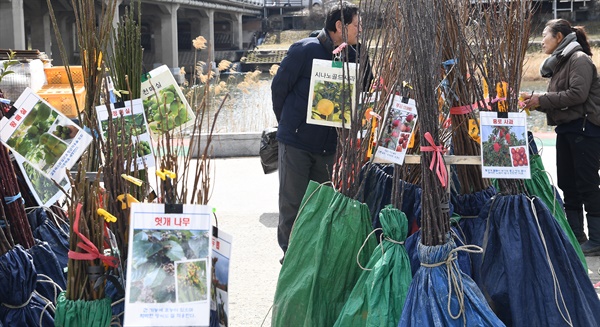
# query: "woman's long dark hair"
[[564, 27]]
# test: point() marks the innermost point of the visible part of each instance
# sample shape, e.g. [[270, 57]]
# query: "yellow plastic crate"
[[58, 75], [61, 98]]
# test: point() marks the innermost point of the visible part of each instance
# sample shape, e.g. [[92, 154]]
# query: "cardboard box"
[[58, 75], [61, 98]]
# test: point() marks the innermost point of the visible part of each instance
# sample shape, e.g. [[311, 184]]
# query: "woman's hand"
[[531, 101]]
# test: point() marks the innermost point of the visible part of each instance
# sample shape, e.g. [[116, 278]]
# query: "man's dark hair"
[[314, 33], [348, 9]]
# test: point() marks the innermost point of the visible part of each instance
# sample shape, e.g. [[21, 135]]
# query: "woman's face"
[[550, 42]]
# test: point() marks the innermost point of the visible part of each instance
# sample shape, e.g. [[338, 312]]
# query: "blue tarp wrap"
[[115, 296], [438, 289], [412, 242], [539, 186], [411, 202], [531, 141], [376, 188], [529, 270], [45, 230], [46, 264], [19, 305], [378, 297], [469, 205], [376, 193]]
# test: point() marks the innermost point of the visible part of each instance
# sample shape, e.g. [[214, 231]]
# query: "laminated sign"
[[45, 192], [332, 93], [219, 303], [397, 130], [165, 105], [504, 146], [48, 140], [129, 122], [169, 266]]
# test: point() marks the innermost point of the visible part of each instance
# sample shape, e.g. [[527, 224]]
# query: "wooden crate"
[[61, 98], [58, 75]]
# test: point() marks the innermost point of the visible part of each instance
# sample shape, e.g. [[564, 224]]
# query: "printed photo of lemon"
[[331, 102], [325, 107]]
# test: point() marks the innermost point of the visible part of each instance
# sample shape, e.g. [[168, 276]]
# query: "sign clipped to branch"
[[169, 266], [504, 146], [331, 93], [48, 140], [129, 121], [166, 106], [397, 131]]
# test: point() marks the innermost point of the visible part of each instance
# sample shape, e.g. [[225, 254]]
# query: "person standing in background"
[[307, 152], [572, 104]]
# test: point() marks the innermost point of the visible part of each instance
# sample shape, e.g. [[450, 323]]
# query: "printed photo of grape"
[[191, 281]]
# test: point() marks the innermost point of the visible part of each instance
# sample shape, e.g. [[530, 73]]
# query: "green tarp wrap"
[[539, 185], [82, 313], [320, 268], [379, 295]]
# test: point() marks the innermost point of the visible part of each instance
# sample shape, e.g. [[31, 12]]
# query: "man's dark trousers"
[[296, 168]]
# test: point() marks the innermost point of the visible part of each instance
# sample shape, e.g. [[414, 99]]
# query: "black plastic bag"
[[268, 150]]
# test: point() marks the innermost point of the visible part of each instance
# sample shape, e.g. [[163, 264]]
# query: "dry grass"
[[533, 61]]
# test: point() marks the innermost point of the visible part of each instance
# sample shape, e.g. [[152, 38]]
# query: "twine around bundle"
[[454, 279]]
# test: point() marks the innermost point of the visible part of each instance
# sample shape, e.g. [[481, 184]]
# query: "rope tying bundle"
[[381, 238], [454, 279], [10, 306], [557, 291]]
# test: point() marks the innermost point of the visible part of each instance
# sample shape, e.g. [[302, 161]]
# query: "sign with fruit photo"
[[48, 140], [169, 266], [331, 94], [129, 123], [397, 130], [504, 146], [166, 106], [43, 189]]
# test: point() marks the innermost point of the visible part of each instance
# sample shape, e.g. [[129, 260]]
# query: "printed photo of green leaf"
[[153, 261], [33, 141]]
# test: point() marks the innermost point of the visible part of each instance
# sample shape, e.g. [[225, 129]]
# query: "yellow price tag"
[[474, 130], [501, 95]]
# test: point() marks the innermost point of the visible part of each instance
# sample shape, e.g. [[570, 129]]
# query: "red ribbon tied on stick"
[[91, 251], [437, 160]]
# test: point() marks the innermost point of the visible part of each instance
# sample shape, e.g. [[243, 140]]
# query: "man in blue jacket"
[[306, 151]]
